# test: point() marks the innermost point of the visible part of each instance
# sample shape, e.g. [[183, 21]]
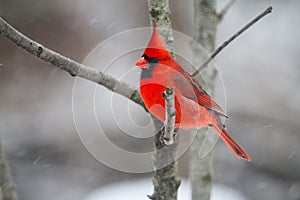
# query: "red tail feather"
[[235, 148]]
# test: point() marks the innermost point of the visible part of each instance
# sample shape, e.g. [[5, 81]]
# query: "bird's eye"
[[146, 57], [142, 63]]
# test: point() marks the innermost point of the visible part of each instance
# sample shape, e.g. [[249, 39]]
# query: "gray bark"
[[166, 180], [169, 125], [8, 190], [200, 171], [161, 16]]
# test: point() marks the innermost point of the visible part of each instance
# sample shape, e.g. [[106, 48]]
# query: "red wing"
[[190, 88], [206, 101]]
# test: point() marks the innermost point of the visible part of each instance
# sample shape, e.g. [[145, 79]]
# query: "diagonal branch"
[[160, 14], [222, 13], [168, 136], [220, 48], [70, 66]]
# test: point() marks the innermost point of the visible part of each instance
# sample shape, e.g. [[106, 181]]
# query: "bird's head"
[[155, 51]]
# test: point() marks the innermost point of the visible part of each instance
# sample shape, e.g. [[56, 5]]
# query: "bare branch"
[[220, 48], [71, 66], [168, 136], [225, 9]]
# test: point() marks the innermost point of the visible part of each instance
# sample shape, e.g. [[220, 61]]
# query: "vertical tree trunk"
[[200, 172], [166, 180], [160, 15], [8, 191]]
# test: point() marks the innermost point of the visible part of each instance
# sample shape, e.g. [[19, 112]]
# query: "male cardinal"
[[194, 107]]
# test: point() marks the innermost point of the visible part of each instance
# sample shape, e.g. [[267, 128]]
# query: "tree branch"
[[70, 66], [168, 136], [7, 186], [220, 48], [160, 15], [200, 168], [224, 10], [166, 180]]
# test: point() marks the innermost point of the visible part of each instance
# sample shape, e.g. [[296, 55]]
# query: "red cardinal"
[[195, 108]]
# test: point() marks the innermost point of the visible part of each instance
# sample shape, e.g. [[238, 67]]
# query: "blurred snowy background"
[[261, 74]]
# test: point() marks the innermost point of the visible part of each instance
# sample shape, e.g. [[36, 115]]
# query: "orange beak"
[[142, 63]]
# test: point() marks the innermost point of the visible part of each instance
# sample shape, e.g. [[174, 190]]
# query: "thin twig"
[[71, 66], [220, 48], [168, 136], [225, 9]]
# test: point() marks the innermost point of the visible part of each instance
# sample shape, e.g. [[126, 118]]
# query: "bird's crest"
[[156, 47]]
